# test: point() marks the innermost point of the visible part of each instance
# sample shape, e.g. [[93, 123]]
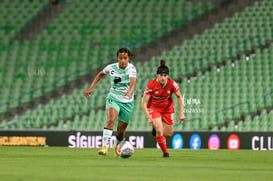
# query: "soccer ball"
[[125, 149]]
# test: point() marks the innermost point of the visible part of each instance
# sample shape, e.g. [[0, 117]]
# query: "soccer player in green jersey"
[[120, 100]]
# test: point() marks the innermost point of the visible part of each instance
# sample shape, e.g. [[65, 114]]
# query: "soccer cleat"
[[166, 155], [115, 152], [103, 151]]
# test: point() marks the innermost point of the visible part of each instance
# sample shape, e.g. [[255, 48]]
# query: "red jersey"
[[161, 97]]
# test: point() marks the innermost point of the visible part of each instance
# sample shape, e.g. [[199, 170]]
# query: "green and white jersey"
[[120, 81]]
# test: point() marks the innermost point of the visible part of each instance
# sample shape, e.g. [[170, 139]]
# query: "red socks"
[[162, 143]]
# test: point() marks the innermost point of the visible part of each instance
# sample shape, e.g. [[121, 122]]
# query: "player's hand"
[[127, 94], [181, 117], [88, 92]]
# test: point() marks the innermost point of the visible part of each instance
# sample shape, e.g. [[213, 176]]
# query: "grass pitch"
[[61, 163]]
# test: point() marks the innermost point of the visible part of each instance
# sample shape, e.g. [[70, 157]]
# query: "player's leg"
[[167, 129], [121, 129], [120, 136], [126, 110], [167, 132], [153, 113], [167, 123], [158, 127], [112, 110], [153, 131], [160, 138]]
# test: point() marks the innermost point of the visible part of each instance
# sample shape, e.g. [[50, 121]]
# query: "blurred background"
[[220, 53]]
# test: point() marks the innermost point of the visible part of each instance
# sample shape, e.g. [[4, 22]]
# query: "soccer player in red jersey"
[[157, 105]]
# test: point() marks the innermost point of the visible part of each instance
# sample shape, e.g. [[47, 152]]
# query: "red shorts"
[[167, 117]]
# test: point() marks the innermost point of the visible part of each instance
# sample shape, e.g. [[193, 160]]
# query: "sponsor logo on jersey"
[[156, 97], [120, 88], [115, 73]]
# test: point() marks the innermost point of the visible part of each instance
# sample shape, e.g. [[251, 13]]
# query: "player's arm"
[[132, 87], [93, 84], [144, 101], [181, 116]]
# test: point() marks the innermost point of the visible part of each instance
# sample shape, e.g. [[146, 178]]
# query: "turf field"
[[60, 163]]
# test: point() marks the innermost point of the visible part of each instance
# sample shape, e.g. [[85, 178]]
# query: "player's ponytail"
[[162, 68], [162, 63]]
